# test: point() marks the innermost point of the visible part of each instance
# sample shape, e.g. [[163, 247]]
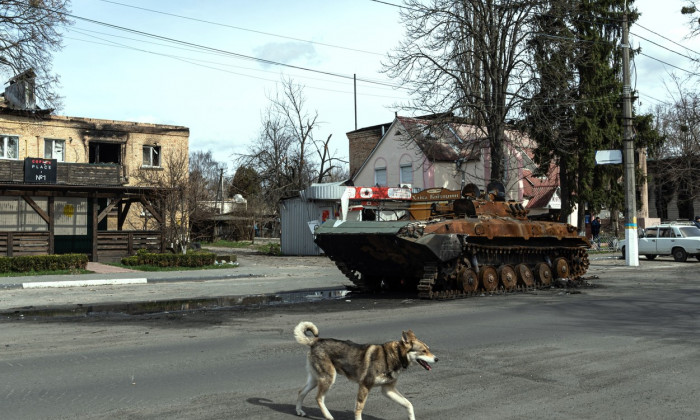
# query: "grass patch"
[[269, 249], [228, 244], [44, 273]]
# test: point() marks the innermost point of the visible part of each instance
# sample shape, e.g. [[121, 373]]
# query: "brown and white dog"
[[366, 364]]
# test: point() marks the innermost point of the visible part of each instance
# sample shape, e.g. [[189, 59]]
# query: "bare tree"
[[202, 165], [287, 156], [178, 198], [676, 164], [466, 57], [30, 31]]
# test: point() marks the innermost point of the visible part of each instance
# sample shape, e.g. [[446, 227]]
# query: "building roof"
[[540, 190], [325, 191], [443, 142]]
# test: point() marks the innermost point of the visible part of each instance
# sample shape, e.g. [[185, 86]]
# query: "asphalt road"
[[625, 348]]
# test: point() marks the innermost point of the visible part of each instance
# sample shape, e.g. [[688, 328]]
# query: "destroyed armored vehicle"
[[454, 247]]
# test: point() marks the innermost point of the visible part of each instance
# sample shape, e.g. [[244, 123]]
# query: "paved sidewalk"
[[107, 269], [256, 275]]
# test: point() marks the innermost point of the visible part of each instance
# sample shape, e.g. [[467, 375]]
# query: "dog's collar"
[[403, 357]]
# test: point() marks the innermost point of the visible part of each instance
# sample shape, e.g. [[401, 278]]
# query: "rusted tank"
[[454, 248]]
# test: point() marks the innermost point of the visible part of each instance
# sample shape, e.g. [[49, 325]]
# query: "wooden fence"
[[15, 244], [113, 245]]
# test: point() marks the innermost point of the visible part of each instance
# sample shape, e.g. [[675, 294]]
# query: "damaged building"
[[72, 184]]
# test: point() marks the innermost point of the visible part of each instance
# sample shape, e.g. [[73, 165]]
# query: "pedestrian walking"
[[696, 222], [595, 231]]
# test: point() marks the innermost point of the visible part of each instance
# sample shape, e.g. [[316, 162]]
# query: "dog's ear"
[[408, 336]]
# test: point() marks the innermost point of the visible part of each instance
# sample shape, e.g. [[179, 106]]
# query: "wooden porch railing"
[[68, 173]]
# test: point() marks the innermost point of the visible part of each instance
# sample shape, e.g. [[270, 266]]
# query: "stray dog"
[[366, 364]]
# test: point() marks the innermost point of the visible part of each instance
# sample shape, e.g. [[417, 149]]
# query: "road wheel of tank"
[[468, 279], [561, 268], [525, 276], [679, 255], [507, 277], [543, 274], [488, 278]]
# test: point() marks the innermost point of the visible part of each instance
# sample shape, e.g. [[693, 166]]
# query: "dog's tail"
[[300, 333]]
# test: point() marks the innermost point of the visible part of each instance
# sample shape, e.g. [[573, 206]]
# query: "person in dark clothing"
[[697, 222], [595, 230]]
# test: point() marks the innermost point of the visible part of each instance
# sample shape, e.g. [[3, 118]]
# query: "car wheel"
[[650, 256], [680, 255]]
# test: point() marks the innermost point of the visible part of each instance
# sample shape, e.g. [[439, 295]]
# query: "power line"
[[88, 32], [668, 64], [655, 99], [199, 63], [667, 39], [665, 48], [216, 50], [240, 28]]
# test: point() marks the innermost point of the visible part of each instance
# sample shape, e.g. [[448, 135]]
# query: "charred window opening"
[[151, 156], [105, 152]]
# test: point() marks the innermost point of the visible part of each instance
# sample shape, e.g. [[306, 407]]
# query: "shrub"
[[192, 259], [27, 263]]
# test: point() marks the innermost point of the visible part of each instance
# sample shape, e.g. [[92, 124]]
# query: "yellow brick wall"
[[79, 132]]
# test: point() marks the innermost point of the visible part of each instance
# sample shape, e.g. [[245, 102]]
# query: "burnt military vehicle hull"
[[487, 246]]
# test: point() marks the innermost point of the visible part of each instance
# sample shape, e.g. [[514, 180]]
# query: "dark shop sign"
[[39, 170]]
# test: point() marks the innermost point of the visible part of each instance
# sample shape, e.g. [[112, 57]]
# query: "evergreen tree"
[[576, 103]]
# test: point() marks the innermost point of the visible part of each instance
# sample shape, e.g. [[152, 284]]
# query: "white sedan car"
[[680, 241]]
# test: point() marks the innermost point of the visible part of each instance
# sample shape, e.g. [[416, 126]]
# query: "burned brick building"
[[71, 184]]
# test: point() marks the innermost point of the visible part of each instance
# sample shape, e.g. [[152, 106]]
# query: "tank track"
[[356, 278], [442, 282]]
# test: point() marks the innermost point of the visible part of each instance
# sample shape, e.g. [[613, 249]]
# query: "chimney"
[[20, 93]]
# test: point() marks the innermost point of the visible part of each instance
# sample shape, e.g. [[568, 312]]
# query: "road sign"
[[606, 157]]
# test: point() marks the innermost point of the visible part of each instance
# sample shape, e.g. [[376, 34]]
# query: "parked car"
[[677, 240]]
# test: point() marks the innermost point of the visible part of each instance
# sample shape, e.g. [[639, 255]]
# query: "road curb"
[[82, 283]]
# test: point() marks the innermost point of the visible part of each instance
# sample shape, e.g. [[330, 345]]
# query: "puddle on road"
[[183, 305]]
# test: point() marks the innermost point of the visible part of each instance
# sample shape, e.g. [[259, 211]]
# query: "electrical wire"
[[239, 28], [668, 64], [665, 48], [90, 33], [217, 50], [667, 39]]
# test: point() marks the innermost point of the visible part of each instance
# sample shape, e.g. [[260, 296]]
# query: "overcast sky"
[[210, 83]]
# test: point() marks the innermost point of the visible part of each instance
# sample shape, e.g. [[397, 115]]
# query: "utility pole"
[[354, 91], [631, 249]]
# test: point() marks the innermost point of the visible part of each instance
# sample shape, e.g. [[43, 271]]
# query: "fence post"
[[10, 244]]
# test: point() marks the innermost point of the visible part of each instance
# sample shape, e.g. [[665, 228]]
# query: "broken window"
[[9, 147], [54, 149], [105, 152], [151, 155]]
